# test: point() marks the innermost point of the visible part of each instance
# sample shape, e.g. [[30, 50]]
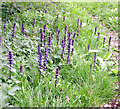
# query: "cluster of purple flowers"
[[98, 36], [10, 56], [95, 30], [13, 34], [81, 23], [45, 58], [49, 44], [41, 38], [23, 30], [57, 71], [21, 70], [39, 58]]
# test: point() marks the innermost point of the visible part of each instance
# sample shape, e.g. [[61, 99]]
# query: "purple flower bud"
[[39, 11], [98, 36], [55, 22], [67, 59], [91, 30], [21, 70], [64, 19], [44, 11], [57, 28], [33, 23], [40, 30], [74, 35], [90, 66], [57, 71], [73, 42], [4, 27], [62, 43], [88, 47], [81, 23], [13, 30], [95, 30], [109, 40], [44, 28], [57, 17], [72, 51], [95, 57], [23, 31], [10, 56]]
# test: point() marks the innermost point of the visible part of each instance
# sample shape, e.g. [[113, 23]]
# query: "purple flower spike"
[[33, 23], [46, 58], [13, 34], [78, 22], [23, 31], [88, 47], [72, 51], [67, 59], [98, 36], [95, 57], [57, 71], [69, 46], [0, 40], [21, 70], [65, 30], [78, 32], [40, 60], [81, 23], [74, 35], [38, 48], [109, 40], [87, 20], [49, 44], [44, 28], [95, 30], [69, 33], [62, 43], [41, 38], [73, 42], [10, 56], [58, 36], [63, 19], [103, 40]]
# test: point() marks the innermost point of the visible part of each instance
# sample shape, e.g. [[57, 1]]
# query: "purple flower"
[[81, 23], [74, 35], [109, 40], [57, 28], [13, 30], [33, 23], [23, 31], [10, 56], [90, 66], [63, 48], [69, 33], [45, 58], [55, 22], [38, 48], [44, 11], [44, 28], [103, 40], [57, 71], [72, 51], [64, 19], [77, 32], [95, 30], [88, 47], [49, 43], [87, 20], [21, 70], [41, 38], [95, 57], [39, 11], [67, 59], [58, 36], [0, 40], [78, 22], [91, 30], [69, 42], [40, 60], [98, 36], [65, 30], [73, 42]]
